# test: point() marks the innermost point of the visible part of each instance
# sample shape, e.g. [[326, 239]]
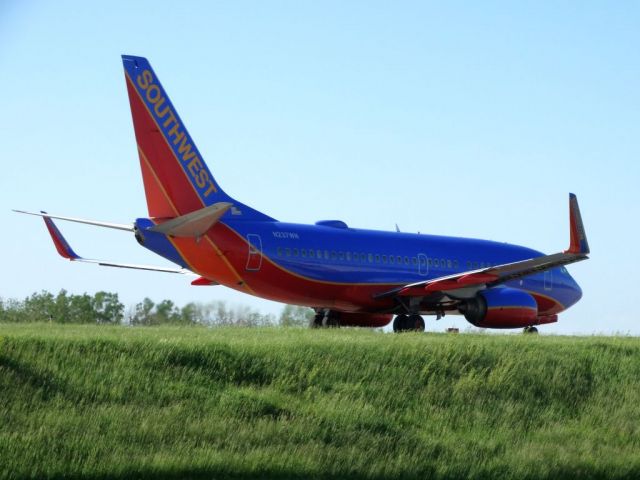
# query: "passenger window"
[[304, 252], [475, 265], [436, 263], [414, 260], [279, 251], [448, 263], [341, 255], [392, 259], [384, 259], [399, 258], [443, 264], [377, 258], [430, 262], [319, 254], [312, 253], [348, 256], [363, 257], [468, 265], [326, 254], [333, 254], [370, 257], [406, 260], [455, 264], [423, 261], [295, 252], [287, 251]]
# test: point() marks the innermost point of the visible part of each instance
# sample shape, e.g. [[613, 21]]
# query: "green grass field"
[[119, 402]]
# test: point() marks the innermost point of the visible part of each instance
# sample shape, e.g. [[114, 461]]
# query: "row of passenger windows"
[[362, 257]]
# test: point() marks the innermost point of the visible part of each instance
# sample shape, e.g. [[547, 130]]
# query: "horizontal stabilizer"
[[194, 224], [65, 251]]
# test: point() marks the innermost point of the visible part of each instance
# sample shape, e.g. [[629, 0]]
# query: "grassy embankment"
[[116, 402]]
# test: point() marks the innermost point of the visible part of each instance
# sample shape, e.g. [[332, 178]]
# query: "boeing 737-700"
[[349, 276]]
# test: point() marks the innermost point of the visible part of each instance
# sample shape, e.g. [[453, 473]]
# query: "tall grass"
[[115, 402]]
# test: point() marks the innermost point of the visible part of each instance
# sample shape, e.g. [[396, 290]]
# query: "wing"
[[45, 215], [466, 284], [65, 250]]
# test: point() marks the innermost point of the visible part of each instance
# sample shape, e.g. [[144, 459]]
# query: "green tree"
[[107, 308], [167, 312], [191, 314], [295, 316], [12, 311], [143, 313], [80, 309], [40, 307]]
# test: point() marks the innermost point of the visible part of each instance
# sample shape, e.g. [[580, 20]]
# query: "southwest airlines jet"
[[349, 276]]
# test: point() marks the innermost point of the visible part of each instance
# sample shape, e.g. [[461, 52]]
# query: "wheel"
[[316, 321], [330, 320], [530, 330], [416, 323], [400, 323]]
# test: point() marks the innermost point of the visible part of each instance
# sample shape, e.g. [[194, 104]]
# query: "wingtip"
[[578, 238], [61, 244]]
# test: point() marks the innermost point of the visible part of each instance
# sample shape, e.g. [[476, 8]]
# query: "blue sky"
[[456, 118]]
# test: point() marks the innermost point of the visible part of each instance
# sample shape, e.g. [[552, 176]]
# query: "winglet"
[[578, 244], [61, 244]]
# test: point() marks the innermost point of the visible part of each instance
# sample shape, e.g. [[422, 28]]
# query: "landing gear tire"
[[399, 323], [316, 321], [406, 323], [415, 323], [330, 320], [533, 330]]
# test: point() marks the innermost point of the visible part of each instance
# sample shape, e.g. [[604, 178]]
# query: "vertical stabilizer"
[[176, 179]]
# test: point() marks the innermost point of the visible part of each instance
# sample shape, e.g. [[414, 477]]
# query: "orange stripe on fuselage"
[[275, 283]]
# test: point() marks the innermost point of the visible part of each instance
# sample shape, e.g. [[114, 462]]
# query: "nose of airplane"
[[576, 291]]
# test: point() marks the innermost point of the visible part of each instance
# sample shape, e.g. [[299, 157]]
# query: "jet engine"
[[501, 308]]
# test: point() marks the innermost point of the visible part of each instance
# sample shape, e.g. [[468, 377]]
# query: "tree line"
[[106, 308]]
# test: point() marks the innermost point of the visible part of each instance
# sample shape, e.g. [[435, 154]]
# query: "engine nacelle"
[[501, 308], [373, 320]]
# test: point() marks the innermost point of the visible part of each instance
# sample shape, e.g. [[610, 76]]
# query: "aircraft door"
[[423, 264], [254, 258]]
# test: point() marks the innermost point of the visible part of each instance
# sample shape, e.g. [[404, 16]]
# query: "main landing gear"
[[530, 330], [408, 323], [325, 319]]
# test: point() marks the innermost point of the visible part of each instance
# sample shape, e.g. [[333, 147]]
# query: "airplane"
[[349, 276]]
